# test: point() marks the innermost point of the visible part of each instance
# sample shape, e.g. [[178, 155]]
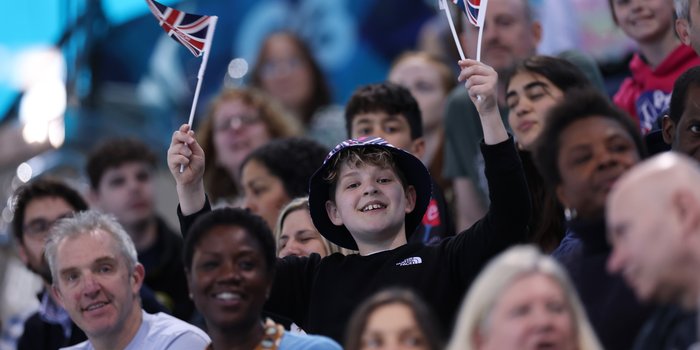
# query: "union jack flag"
[[471, 9], [188, 29]]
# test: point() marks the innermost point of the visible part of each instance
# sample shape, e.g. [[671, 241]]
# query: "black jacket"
[[614, 311], [321, 294]]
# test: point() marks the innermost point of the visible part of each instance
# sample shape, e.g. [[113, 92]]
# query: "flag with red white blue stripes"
[[472, 8], [188, 29]]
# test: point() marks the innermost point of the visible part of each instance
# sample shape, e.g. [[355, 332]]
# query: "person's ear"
[[418, 147], [410, 198], [668, 129], [22, 253], [537, 32], [93, 198], [683, 30], [333, 214], [687, 209], [57, 295], [478, 339], [137, 278], [562, 196], [188, 277]]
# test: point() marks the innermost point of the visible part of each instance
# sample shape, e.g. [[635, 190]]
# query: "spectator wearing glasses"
[[38, 206], [239, 121], [288, 71]]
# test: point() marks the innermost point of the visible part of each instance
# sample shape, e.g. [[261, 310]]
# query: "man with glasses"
[[38, 205]]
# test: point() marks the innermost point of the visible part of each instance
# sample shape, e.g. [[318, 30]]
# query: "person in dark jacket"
[[370, 196], [586, 145], [38, 205]]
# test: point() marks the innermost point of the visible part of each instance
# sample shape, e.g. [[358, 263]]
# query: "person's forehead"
[[86, 247], [349, 168], [516, 8], [379, 116], [55, 203], [127, 167], [692, 103]]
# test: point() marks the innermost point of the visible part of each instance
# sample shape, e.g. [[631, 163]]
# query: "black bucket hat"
[[319, 190]]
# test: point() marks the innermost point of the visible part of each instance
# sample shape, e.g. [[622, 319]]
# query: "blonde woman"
[[522, 300], [295, 233]]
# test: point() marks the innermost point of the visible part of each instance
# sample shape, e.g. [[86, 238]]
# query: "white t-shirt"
[[161, 332]]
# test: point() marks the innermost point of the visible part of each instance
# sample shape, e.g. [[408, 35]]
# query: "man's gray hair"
[[682, 9], [84, 223]]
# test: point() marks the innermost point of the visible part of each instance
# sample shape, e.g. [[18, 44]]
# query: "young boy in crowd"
[[370, 196], [389, 111]]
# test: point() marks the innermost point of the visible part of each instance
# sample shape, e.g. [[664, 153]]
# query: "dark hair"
[[292, 160], [254, 225], [386, 97], [42, 188], [577, 104], [421, 313], [115, 152], [547, 225], [562, 73], [218, 182], [679, 97], [321, 94]]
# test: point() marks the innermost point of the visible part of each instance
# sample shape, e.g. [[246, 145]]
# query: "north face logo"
[[410, 261]]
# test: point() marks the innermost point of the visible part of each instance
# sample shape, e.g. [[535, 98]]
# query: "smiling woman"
[[296, 234], [585, 146], [521, 300], [230, 263]]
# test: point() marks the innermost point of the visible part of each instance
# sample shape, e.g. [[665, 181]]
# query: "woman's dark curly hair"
[[254, 225], [577, 104], [292, 160]]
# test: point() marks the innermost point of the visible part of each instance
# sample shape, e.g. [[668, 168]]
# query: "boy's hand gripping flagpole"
[[195, 32], [475, 10], [202, 66], [200, 74]]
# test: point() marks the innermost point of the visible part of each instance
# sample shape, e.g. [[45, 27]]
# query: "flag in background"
[[188, 29], [471, 9], [462, 6]]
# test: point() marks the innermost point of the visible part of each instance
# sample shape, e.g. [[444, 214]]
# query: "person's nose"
[[543, 318], [523, 107], [229, 272], [293, 248], [606, 159], [615, 261], [370, 189], [90, 287], [490, 32], [250, 204]]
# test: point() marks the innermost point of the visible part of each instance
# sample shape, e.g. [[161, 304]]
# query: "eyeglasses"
[[278, 67], [237, 122], [38, 229]]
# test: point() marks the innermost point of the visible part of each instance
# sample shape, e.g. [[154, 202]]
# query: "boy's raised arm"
[[186, 152], [480, 81]]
